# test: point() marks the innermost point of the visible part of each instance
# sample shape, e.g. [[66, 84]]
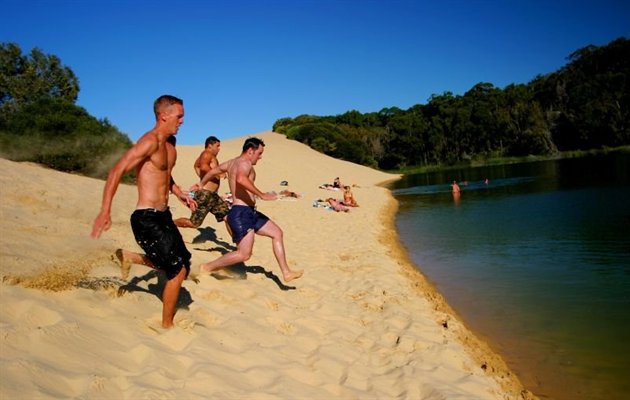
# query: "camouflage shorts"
[[208, 202]]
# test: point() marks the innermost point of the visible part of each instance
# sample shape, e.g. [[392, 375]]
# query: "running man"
[[243, 218], [152, 223], [207, 198]]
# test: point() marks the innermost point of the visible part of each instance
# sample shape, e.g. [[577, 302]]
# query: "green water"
[[537, 262]]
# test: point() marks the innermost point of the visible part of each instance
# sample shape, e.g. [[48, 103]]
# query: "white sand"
[[361, 323]]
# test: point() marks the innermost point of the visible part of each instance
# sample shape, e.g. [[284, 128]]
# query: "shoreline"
[[483, 354], [363, 321]]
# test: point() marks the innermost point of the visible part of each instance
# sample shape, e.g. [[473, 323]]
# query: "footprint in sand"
[[309, 293], [375, 307], [346, 257], [98, 383], [32, 314], [218, 298], [282, 327], [272, 305], [205, 319], [176, 338]]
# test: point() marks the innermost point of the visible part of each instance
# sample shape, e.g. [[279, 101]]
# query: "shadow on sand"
[[237, 271], [183, 301], [209, 234]]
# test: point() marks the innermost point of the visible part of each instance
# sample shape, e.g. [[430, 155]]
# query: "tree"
[[40, 122], [584, 105], [63, 136], [27, 79]]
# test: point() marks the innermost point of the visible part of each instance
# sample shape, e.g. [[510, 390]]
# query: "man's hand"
[[102, 223], [190, 203], [196, 187], [269, 196]]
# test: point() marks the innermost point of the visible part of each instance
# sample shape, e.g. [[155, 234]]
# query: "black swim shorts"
[[161, 241], [208, 201], [243, 219]]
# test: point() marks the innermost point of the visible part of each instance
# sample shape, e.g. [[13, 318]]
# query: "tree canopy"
[[584, 105], [27, 79], [40, 122]]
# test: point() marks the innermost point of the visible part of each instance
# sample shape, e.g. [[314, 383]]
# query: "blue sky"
[[240, 65]]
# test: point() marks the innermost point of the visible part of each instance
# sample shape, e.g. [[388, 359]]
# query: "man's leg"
[[220, 209], [185, 223], [227, 226], [197, 216], [169, 298], [195, 220], [270, 229], [127, 258], [242, 253]]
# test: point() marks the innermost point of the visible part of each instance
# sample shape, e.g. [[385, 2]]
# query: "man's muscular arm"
[[183, 197], [130, 160], [243, 180], [217, 171]]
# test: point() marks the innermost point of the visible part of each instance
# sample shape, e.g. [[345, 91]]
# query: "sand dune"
[[361, 323]]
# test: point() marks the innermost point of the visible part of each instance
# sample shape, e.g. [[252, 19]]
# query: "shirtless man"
[[128, 257], [152, 222], [207, 198], [243, 218]]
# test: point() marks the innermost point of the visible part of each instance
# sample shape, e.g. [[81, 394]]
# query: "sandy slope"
[[360, 324]]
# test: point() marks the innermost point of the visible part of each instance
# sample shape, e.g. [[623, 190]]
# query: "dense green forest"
[[40, 122], [584, 105]]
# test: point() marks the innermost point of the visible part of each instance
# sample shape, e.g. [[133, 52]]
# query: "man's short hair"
[[212, 140], [252, 143], [164, 101]]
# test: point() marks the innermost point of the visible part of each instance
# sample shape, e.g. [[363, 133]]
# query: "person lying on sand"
[[328, 186], [337, 205], [288, 193]]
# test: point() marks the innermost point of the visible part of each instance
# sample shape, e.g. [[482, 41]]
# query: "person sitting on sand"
[[348, 197]]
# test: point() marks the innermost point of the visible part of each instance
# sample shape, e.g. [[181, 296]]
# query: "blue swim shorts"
[[243, 219]]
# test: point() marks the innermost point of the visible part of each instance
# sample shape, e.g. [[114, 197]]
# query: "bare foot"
[[125, 265], [203, 268], [158, 327], [206, 269], [293, 275]]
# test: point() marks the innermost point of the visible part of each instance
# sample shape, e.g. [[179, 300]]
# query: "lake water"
[[537, 262]]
